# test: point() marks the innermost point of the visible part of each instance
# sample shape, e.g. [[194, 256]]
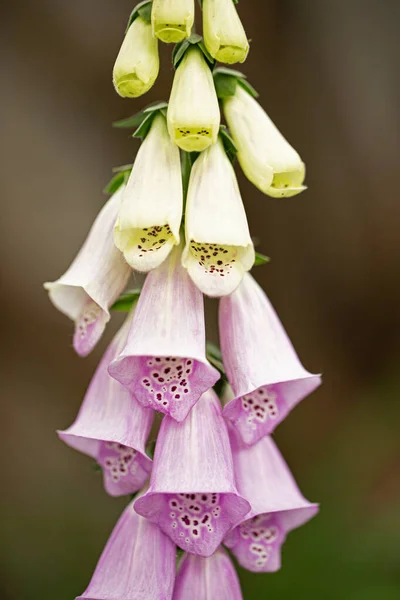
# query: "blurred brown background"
[[328, 74]]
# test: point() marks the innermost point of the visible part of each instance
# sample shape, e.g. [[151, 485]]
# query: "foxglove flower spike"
[[192, 494], [218, 244], [113, 428], [138, 563], [266, 158], [151, 210], [277, 505], [212, 578], [94, 280], [164, 362], [262, 366]]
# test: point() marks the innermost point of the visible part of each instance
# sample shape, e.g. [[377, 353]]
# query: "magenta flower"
[[277, 505], [263, 369], [212, 578], [113, 428], [138, 563], [192, 494], [94, 280], [164, 362]]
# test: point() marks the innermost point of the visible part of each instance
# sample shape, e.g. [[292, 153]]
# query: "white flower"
[[151, 211], [266, 158], [172, 20], [218, 245], [137, 64], [193, 112], [224, 35]]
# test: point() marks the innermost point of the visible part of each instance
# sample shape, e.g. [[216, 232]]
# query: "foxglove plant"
[[207, 578], [112, 427], [94, 280], [277, 505], [177, 216], [192, 494], [164, 361]]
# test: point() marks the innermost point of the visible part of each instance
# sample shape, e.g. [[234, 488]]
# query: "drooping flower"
[[137, 64], [193, 113], [151, 210], [172, 20], [138, 563], [112, 427], [192, 494], [212, 578], [164, 362], [94, 280], [262, 366], [218, 244], [224, 35], [266, 158], [277, 505]]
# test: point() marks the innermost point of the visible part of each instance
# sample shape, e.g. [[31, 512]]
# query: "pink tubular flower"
[[94, 280], [263, 369], [212, 578], [164, 362], [277, 505], [113, 428], [138, 563], [192, 494]]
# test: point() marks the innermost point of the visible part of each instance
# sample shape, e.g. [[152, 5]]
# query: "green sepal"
[[126, 301], [181, 48], [143, 9], [226, 80], [229, 144], [261, 259], [187, 161], [214, 356], [150, 448], [121, 176], [136, 120]]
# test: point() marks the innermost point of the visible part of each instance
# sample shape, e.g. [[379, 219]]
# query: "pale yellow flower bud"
[[172, 20], [137, 64], [224, 35], [193, 113], [267, 159]]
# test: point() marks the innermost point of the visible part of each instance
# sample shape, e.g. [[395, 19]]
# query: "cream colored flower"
[[172, 20], [224, 35]]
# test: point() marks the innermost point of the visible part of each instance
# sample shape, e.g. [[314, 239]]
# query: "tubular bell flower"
[[192, 494], [138, 562], [212, 578], [224, 35], [137, 64], [151, 211], [218, 245], [266, 158], [164, 362], [262, 366], [193, 113], [277, 505], [113, 428], [94, 280], [172, 20]]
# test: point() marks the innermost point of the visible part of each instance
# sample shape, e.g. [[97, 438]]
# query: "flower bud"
[[172, 20], [137, 64], [266, 158], [193, 112], [224, 35]]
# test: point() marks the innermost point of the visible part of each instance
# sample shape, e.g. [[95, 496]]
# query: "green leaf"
[[225, 85], [214, 356], [137, 119], [228, 71], [126, 301], [248, 87], [261, 259], [143, 9], [144, 126], [114, 184], [229, 144]]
